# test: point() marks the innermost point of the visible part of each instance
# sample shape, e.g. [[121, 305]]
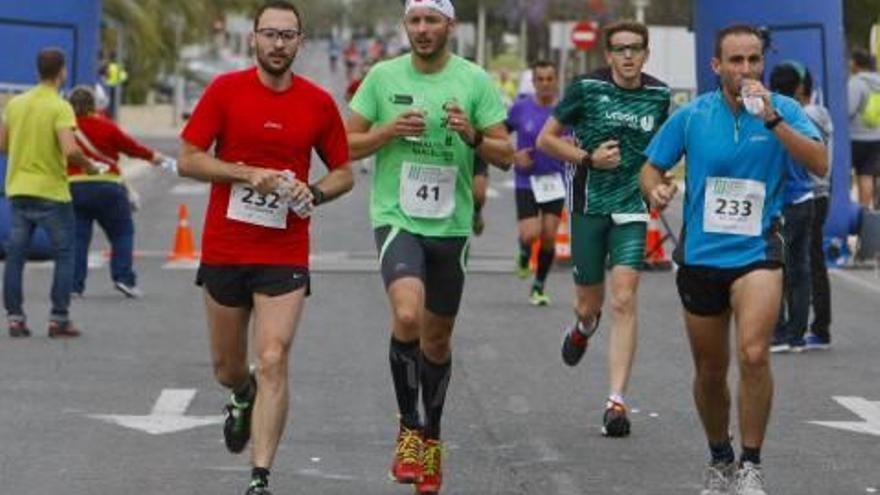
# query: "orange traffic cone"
[[533, 259], [184, 247], [655, 255], [563, 244]]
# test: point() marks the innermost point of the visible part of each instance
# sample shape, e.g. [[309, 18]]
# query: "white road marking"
[[867, 410], [167, 416]]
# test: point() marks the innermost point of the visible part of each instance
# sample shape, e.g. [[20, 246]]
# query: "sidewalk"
[[149, 121]]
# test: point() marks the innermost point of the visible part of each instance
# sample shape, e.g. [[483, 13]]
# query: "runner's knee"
[[407, 319], [623, 302], [272, 362], [753, 357]]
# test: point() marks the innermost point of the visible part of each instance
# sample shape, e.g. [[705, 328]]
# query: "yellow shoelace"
[[409, 446], [432, 457]]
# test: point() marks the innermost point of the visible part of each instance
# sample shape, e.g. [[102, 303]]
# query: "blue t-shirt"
[[744, 166], [526, 117], [798, 184]]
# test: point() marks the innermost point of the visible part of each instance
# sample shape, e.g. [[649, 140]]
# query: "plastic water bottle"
[[753, 104], [169, 165], [101, 167], [302, 209]]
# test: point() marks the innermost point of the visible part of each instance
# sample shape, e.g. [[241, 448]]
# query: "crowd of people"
[[757, 181]]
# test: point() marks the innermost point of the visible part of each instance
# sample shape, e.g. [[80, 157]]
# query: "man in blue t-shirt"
[[731, 252], [540, 189], [788, 79]]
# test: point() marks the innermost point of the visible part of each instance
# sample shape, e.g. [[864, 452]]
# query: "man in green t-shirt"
[[425, 114], [613, 112], [37, 133]]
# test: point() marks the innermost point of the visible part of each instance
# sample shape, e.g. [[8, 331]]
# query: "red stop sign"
[[584, 35]]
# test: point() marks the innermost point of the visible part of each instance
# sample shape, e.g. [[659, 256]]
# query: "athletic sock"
[[750, 454], [585, 327], [404, 358], [545, 262], [260, 475], [525, 252], [245, 393], [435, 381], [722, 452]]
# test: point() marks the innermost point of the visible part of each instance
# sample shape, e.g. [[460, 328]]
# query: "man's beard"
[[266, 65], [438, 50]]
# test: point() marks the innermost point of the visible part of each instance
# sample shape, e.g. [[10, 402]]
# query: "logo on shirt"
[[631, 120], [647, 123], [272, 125], [758, 138], [402, 99], [604, 99]]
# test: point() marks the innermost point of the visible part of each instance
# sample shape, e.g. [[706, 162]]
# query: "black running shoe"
[[574, 344], [18, 328], [258, 487], [615, 423], [237, 427]]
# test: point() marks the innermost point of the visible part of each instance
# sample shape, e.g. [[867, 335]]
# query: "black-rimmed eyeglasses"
[[273, 35], [634, 49]]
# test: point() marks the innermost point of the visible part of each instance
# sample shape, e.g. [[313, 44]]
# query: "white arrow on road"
[[865, 409], [167, 416]]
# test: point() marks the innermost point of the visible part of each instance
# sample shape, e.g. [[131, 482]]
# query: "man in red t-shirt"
[[263, 123]]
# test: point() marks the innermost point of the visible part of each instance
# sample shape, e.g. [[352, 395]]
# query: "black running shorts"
[[235, 285], [439, 262], [705, 291], [866, 157], [527, 207]]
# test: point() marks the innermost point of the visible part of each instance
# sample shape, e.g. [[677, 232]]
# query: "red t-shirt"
[[250, 123], [110, 140]]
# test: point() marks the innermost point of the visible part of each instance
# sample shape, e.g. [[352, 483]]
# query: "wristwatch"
[[478, 139], [317, 194], [770, 124], [587, 160]]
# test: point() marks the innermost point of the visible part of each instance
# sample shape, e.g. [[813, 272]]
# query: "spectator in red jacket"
[[103, 198]]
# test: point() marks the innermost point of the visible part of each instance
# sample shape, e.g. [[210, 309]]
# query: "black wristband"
[[478, 139], [586, 161], [775, 121], [317, 194]]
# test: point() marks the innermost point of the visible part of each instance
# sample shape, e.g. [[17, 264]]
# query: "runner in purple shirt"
[[540, 189]]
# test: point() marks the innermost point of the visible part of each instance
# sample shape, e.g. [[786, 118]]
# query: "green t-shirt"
[[423, 185], [36, 166], [598, 110]]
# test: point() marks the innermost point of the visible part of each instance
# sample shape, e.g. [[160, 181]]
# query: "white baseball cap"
[[445, 7]]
